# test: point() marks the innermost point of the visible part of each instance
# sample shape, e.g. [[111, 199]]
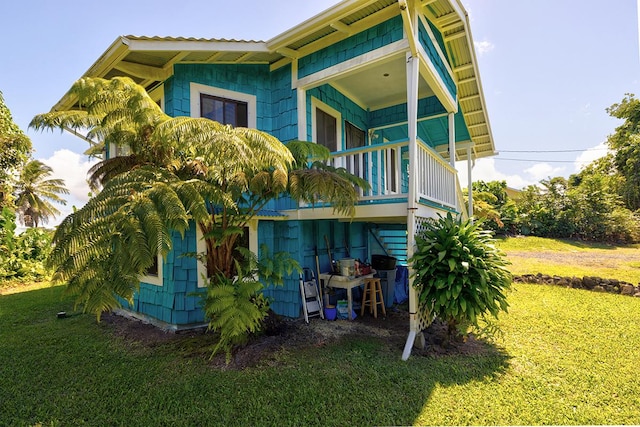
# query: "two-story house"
[[391, 87]]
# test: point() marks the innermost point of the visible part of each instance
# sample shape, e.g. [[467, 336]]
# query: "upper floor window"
[[327, 125], [225, 111], [223, 105], [354, 137]]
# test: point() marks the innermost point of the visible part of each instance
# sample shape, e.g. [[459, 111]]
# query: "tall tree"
[[179, 170], [625, 143], [15, 148], [35, 192]]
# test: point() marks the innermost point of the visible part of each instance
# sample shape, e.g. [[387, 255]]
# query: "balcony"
[[386, 167]]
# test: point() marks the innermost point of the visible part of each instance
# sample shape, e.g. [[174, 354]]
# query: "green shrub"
[[22, 256], [460, 275], [236, 307]]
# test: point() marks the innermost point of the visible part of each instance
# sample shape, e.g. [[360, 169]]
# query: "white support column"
[[469, 181], [452, 140], [412, 113], [302, 114]]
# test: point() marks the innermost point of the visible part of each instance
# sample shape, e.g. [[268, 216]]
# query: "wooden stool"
[[372, 290]]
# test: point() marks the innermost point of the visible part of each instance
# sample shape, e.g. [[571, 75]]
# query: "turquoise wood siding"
[[433, 132], [437, 61], [301, 239], [349, 110], [373, 38], [173, 302], [276, 102], [284, 106]]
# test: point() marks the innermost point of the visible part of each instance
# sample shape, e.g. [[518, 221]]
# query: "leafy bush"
[[236, 306], [460, 275], [22, 256]]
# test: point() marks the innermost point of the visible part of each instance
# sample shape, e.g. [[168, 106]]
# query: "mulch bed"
[[281, 333]]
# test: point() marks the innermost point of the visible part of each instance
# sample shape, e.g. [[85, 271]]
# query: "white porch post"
[[469, 181], [412, 113], [452, 140]]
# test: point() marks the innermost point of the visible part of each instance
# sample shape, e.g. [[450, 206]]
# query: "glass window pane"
[[225, 111], [326, 130]]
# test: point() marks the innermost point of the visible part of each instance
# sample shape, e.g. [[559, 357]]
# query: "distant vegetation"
[[600, 203], [26, 193]]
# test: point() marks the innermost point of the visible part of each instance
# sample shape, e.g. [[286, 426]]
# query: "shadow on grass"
[[388, 391]]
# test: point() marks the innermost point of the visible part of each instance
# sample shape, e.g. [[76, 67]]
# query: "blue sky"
[[549, 68]]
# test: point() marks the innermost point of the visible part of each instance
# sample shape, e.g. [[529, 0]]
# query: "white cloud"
[[485, 170], [72, 167], [540, 171], [483, 46], [590, 155]]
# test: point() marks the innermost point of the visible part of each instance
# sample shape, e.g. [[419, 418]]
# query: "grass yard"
[[532, 255], [567, 357]]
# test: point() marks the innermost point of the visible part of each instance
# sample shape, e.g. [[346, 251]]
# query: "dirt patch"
[[576, 258], [287, 334]]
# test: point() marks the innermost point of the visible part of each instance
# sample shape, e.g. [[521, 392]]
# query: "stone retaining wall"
[[596, 284]]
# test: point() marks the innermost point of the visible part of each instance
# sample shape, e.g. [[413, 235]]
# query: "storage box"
[[383, 262]]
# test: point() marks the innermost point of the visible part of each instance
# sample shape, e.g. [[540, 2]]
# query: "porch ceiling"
[[150, 60], [379, 85]]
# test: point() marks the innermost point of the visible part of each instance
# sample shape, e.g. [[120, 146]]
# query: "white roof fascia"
[[326, 18], [474, 61], [457, 6], [195, 45], [114, 54]]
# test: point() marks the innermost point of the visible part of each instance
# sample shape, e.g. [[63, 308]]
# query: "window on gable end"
[[225, 111]]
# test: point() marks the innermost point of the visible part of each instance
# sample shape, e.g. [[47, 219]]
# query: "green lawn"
[[567, 357], [555, 257]]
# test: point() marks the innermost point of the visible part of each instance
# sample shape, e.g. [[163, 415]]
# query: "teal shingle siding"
[[350, 111], [172, 302], [437, 61], [283, 116], [433, 132], [373, 38]]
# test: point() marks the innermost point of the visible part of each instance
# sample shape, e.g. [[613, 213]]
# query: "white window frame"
[[201, 247], [154, 280], [115, 151], [197, 89], [316, 104]]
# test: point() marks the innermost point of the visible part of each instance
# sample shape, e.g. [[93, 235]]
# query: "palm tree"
[[179, 170], [35, 192]]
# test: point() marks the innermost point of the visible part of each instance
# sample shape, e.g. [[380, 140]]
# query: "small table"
[[344, 282]]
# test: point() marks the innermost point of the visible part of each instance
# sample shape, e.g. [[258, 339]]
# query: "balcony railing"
[[386, 168]]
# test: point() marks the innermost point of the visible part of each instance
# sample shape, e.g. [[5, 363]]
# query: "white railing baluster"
[[381, 166]]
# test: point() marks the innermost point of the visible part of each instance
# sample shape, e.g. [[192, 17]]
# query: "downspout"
[[469, 182], [452, 140], [413, 70]]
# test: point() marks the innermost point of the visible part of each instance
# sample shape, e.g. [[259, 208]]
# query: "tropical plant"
[[493, 205], [625, 144], [15, 148], [236, 306], [180, 172], [459, 274], [22, 256], [35, 191]]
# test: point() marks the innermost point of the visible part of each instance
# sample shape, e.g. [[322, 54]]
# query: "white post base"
[[408, 345]]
